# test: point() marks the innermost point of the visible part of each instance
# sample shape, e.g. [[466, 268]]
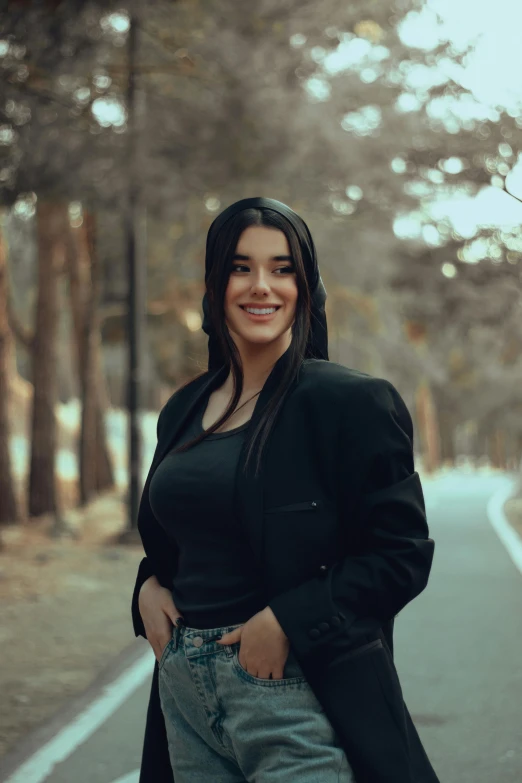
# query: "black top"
[[191, 494]]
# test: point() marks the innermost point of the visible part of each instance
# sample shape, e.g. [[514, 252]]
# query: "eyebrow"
[[240, 257]]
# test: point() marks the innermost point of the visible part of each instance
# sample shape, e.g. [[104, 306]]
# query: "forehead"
[[263, 239]]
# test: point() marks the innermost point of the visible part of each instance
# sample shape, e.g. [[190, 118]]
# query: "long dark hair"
[[223, 252]]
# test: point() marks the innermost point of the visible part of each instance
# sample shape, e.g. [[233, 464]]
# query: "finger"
[[225, 639], [172, 614], [230, 637]]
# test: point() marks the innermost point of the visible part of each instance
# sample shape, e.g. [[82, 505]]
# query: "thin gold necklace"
[[244, 403], [236, 410]]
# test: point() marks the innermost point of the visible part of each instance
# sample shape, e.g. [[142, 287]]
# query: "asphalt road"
[[458, 646], [458, 651]]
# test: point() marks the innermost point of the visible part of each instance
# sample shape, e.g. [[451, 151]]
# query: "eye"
[[237, 267]]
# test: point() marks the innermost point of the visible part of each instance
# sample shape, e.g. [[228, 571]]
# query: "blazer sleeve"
[[160, 550], [390, 562]]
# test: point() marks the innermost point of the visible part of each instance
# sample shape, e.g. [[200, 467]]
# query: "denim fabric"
[[226, 726]]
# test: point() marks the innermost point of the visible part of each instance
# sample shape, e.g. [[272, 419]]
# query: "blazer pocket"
[[303, 505], [364, 648]]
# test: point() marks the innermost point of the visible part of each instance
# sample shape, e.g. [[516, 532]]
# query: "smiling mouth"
[[243, 307]]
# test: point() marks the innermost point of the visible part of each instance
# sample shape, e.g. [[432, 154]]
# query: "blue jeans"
[[226, 726]]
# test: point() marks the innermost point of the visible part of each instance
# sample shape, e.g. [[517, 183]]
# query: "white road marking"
[[500, 524], [40, 765]]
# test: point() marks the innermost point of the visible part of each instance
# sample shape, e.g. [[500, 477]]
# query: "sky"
[[491, 75]]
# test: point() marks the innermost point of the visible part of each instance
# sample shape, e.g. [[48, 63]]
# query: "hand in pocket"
[[159, 614]]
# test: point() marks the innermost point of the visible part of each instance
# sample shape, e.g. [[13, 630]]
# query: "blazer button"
[[314, 504], [313, 633], [323, 627], [323, 570], [335, 621]]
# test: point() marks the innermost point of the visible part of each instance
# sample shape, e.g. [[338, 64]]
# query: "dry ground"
[[64, 612]]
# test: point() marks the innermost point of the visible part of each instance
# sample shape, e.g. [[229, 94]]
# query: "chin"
[[248, 336], [259, 339]]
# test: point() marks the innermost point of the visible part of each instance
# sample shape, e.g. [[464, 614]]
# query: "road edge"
[[18, 762], [500, 523]]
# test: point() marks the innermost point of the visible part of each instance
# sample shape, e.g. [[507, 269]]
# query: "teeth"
[[260, 312]]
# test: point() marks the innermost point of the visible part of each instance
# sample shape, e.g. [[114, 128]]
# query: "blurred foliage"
[[322, 106]]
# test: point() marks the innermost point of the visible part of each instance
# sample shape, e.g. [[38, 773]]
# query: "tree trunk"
[[447, 437], [518, 453], [96, 471], [9, 507], [51, 226], [104, 478], [104, 467], [498, 448], [428, 427]]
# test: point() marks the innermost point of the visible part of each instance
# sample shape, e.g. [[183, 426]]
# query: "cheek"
[[236, 286], [231, 293], [292, 299]]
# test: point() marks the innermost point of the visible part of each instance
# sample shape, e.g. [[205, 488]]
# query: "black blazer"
[[337, 523]]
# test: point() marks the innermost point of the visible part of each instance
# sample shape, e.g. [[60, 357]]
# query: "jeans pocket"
[[292, 672]]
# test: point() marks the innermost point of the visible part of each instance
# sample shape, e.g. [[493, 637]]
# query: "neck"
[[258, 362]]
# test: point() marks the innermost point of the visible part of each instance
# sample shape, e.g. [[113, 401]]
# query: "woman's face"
[[262, 274]]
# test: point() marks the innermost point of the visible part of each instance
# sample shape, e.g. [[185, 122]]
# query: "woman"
[[299, 533]]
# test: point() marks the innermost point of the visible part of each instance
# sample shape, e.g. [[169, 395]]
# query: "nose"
[[260, 283]]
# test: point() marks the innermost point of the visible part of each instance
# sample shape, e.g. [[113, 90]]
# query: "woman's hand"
[[158, 612], [264, 645]]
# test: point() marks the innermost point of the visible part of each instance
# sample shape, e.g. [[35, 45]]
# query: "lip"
[[266, 317]]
